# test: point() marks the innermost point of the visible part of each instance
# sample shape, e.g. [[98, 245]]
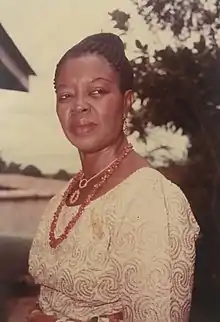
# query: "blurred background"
[[174, 49]]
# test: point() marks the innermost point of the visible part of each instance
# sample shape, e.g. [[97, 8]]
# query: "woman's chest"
[[83, 259]]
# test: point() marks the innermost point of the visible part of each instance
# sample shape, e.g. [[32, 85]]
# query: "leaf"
[[138, 44]]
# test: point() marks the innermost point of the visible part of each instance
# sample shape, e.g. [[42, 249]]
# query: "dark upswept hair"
[[109, 46]]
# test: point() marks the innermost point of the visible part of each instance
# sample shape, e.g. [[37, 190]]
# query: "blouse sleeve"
[[155, 252]]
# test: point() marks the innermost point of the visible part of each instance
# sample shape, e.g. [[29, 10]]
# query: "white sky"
[[43, 30]]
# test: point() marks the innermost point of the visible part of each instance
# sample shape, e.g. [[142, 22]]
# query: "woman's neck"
[[93, 163]]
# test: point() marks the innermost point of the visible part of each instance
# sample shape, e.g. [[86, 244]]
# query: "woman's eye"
[[98, 92], [63, 97]]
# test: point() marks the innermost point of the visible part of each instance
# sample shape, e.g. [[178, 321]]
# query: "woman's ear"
[[128, 101]]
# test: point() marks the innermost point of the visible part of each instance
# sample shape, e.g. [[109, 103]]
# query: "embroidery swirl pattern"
[[133, 251]]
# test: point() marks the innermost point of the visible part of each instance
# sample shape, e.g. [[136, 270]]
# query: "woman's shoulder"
[[155, 191], [149, 179], [156, 182], [54, 202], [60, 193], [148, 185]]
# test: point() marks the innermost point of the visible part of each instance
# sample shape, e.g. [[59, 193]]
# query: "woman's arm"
[[155, 250]]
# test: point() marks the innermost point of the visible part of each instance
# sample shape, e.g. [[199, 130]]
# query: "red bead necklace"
[[55, 241]]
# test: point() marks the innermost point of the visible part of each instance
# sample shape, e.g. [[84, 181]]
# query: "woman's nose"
[[81, 104], [82, 108]]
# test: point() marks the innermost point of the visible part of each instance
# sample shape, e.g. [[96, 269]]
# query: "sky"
[[43, 30]]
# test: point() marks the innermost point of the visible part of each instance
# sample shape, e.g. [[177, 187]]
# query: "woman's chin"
[[85, 144]]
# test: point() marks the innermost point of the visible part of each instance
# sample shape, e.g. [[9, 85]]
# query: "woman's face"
[[90, 105]]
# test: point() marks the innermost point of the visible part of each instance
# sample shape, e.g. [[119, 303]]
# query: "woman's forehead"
[[91, 67]]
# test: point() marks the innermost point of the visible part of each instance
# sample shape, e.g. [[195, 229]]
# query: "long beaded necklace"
[[73, 196], [55, 241]]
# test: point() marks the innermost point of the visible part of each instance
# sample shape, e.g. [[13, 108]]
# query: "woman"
[[118, 243]]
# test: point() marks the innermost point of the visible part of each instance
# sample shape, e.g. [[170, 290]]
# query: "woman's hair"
[[110, 47]]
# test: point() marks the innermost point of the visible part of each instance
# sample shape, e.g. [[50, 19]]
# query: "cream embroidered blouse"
[[133, 250]]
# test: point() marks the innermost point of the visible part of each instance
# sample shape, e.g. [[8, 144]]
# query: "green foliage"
[[62, 175], [181, 85], [30, 170], [121, 19], [182, 17], [3, 165]]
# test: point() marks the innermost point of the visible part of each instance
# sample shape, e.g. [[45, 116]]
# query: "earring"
[[125, 126]]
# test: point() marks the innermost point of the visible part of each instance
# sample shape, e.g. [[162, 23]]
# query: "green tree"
[[182, 17], [2, 165], [181, 85], [32, 170], [62, 175]]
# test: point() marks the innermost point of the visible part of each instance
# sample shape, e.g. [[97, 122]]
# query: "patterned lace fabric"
[[132, 251]]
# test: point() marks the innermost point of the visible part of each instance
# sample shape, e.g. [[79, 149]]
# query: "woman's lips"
[[84, 129]]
